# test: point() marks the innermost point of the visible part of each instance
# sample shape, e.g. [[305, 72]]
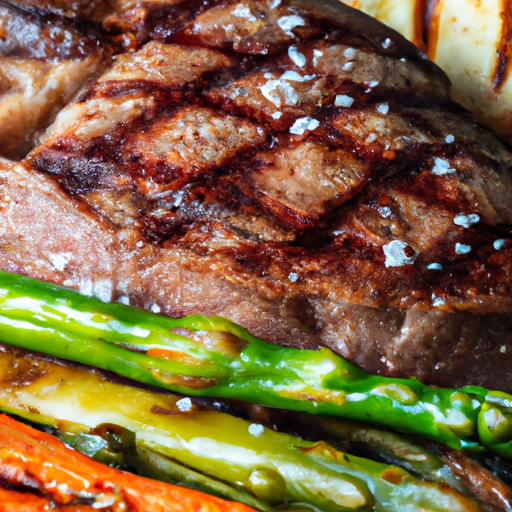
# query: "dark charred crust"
[[165, 96], [33, 33], [160, 227], [504, 51]]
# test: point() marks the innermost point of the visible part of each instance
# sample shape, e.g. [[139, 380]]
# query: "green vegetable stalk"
[[180, 441], [214, 357]]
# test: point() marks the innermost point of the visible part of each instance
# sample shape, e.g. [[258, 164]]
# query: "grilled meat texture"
[[44, 59], [294, 166]]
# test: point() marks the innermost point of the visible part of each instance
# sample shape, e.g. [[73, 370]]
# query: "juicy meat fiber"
[[294, 166]]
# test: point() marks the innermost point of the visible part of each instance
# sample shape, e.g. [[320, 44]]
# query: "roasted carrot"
[[35, 460]]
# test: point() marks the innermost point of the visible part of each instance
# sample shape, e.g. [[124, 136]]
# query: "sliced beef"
[[296, 167]]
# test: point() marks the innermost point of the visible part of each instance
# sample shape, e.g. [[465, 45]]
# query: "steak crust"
[[299, 169]]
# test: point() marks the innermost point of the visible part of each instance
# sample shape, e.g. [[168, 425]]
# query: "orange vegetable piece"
[[38, 461]]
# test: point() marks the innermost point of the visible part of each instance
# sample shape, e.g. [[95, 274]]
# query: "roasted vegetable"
[[214, 357], [37, 461], [405, 16], [181, 441], [437, 463]]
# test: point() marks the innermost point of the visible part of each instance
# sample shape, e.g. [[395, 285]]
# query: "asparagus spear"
[[269, 467], [215, 357], [437, 463]]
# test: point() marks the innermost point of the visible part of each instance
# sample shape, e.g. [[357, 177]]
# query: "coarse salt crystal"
[[288, 23], [436, 301], [449, 139], [342, 100], [178, 197], [242, 11], [60, 260], [303, 124], [275, 3], [256, 430], [316, 55], [102, 289], [466, 221], [348, 65], [155, 308], [435, 266], [293, 277], [276, 115], [298, 58], [385, 212], [349, 53], [462, 249], [295, 77], [386, 43], [383, 108], [441, 167], [184, 404], [499, 244], [395, 254], [274, 89]]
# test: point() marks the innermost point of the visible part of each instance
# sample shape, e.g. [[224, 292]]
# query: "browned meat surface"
[[292, 165], [44, 234], [44, 59]]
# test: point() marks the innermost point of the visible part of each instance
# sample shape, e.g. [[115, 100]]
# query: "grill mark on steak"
[[301, 177], [266, 172]]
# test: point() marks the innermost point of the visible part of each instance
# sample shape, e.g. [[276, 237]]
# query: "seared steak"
[[44, 59], [292, 165]]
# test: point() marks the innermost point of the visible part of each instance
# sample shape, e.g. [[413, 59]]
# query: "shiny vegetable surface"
[[214, 357], [35, 460], [179, 440]]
